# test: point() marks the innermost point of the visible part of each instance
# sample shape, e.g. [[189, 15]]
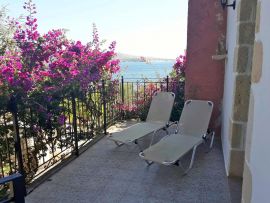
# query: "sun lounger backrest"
[[195, 117], [161, 107]]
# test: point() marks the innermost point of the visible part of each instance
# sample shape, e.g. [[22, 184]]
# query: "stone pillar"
[[246, 11], [206, 38], [256, 74]]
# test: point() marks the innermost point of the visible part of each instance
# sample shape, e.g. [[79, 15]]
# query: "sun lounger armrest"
[[207, 134], [169, 124], [210, 134], [154, 134], [168, 163]]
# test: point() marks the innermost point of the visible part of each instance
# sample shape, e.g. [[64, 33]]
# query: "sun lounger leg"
[[149, 162], [212, 140], [154, 133], [152, 139], [141, 154], [166, 130], [179, 163], [136, 142], [192, 159], [118, 144]]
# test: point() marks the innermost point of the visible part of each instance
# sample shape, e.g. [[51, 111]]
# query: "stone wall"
[[245, 108], [235, 123], [256, 178]]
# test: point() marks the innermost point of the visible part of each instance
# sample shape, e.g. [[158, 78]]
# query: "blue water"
[[154, 69]]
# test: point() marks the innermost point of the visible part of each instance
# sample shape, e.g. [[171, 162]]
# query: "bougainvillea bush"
[[137, 99], [40, 72], [177, 85], [50, 63]]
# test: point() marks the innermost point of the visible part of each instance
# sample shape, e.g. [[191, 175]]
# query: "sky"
[[156, 28]]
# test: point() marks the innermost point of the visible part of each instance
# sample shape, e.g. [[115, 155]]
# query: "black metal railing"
[[31, 148], [136, 94]]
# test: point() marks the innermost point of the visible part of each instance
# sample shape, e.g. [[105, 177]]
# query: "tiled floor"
[[106, 173]]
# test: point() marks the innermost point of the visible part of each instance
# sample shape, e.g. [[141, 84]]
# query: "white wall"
[[260, 144], [228, 83]]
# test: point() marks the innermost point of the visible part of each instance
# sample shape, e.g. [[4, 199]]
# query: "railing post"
[[12, 106], [122, 95], [123, 92], [19, 189], [104, 107], [144, 87], [74, 123], [167, 81], [144, 95]]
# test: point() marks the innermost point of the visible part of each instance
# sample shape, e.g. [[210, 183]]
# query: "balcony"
[[74, 162], [107, 173]]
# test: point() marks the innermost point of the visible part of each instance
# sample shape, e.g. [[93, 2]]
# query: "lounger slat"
[[170, 148], [136, 131], [195, 118], [161, 107]]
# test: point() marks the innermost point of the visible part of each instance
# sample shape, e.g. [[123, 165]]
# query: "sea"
[[152, 69]]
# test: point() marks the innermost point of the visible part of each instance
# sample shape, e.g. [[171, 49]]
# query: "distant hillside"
[[128, 57]]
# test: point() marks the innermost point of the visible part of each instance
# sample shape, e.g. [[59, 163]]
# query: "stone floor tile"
[[107, 173], [132, 199]]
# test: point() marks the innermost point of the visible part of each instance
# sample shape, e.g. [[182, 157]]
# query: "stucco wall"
[[205, 38], [256, 185], [228, 83]]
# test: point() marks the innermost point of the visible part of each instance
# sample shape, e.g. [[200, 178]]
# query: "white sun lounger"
[[157, 119], [191, 132]]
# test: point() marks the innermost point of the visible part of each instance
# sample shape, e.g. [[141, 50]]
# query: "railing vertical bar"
[[118, 102], [123, 96], [127, 97], [26, 145], [144, 95], [137, 95], [99, 100], [132, 95], [123, 91], [18, 150], [104, 107], [32, 128], [78, 111], [59, 132], [1, 166], [75, 134], [65, 125], [87, 117], [71, 137], [91, 109], [167, 82], [51, 137], [84, 110], [96, 101], [7, 143]]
